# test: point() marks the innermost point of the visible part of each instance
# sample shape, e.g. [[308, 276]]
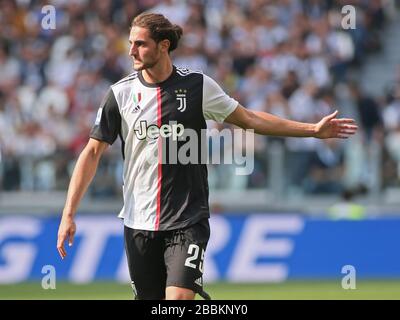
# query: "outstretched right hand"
[[66, 231]]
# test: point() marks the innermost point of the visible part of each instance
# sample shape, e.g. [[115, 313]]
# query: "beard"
[[144, 65]]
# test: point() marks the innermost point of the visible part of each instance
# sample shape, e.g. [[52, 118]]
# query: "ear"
[[164, 45]]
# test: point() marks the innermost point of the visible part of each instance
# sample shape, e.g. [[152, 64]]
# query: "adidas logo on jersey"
[[152, 131], [199, 281], [136, 109], [137, 97]]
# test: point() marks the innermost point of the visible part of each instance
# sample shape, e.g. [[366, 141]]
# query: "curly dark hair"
[[160, 28]]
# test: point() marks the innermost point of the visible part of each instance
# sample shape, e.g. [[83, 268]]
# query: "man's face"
[[143, 49]]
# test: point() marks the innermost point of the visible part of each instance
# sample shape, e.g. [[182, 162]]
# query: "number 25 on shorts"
[[193, 252]]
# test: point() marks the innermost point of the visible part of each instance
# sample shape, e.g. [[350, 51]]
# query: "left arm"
[[267, 124]]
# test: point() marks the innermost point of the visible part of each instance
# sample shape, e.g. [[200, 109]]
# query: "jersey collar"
[[159, 84]]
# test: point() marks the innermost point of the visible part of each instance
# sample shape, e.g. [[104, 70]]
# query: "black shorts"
[[159, 259]]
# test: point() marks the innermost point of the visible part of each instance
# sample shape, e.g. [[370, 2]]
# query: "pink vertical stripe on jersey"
[[159, 180]]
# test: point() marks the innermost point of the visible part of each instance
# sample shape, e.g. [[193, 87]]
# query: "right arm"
[[83, 173]]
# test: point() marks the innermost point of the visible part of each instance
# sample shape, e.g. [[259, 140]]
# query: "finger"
[[349, 128], [344, 120], [62, 252], [349, 132], [60, 246], [346, 126], [346, 132], [332, 115]]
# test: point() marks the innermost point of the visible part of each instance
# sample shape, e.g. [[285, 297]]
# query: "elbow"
[[249, 122], [93, 152], [243, 118]]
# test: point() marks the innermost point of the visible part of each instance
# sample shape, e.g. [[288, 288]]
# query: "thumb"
[[332, 115], [71, 239]]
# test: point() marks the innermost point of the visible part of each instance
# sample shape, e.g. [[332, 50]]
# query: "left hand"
[[330, 127]]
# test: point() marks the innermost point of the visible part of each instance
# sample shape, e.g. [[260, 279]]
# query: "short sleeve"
[[217, 105], [107, 125]]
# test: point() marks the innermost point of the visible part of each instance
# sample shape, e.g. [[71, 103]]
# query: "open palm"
[[330, 127]]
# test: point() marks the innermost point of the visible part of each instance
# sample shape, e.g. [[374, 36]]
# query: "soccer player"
[[166, 209]]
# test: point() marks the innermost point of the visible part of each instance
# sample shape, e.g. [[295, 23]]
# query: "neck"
[[158, 73]]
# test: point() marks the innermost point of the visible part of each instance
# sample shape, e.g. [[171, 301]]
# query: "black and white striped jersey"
[[161, 195]]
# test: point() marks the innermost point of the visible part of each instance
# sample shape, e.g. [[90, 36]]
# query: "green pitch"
[[288, 290]]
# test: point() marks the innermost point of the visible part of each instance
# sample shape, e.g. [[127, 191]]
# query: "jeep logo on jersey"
[[181, 97], [152, 131]]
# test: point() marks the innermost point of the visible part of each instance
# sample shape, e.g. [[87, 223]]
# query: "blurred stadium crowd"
[[289, 57]]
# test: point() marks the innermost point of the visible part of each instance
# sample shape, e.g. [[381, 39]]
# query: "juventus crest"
[[181, 97]]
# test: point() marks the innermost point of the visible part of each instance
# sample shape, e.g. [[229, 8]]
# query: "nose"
[[132, 50]]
